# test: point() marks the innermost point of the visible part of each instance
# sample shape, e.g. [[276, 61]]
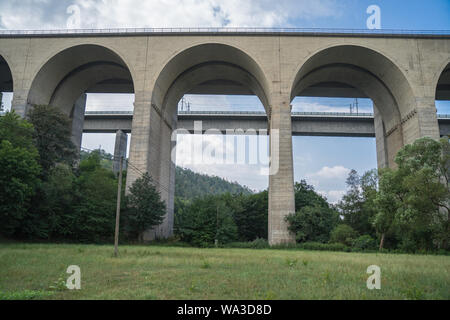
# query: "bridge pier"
[[150, 151], [281, 179], [78, 112], [380, 137], [120, 149]]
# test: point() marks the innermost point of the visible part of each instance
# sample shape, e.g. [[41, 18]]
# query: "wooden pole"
[[119, 195]]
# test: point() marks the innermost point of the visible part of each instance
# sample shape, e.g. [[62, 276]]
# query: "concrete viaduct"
[[403, 74]]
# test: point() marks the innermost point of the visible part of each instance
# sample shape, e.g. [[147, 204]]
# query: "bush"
[[18, 180], [94, 210], [204, 221], [343, 234], [364, 242], [313, 224]]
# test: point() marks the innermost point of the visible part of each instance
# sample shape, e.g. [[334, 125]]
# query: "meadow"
[[38, 271]]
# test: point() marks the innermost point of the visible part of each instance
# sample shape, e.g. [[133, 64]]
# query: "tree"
[[190, 185], [18, 179], [249, 214], [357, 205], [94, 208], [415, 197], [206, 220], [1, 101], [19, 172], [313, 223], [387, 202], [17, 131], [144, 208], [343, 234], [53, 137], [305, 195], [55, 205]]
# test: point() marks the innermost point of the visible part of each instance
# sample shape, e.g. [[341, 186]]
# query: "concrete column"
[[78, 113], [139, 156], [120, 149], [150, 151], [380, 137], [19, 103], [281, 180]]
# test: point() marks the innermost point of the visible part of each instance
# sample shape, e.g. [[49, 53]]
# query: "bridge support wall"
[[56, 68]]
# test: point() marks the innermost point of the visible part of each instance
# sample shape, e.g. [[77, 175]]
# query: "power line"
[[131, 166]]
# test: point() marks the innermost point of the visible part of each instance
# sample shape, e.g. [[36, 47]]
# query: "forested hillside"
[[190, 185]]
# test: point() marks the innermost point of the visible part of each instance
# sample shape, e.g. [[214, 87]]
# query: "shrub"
[[365, 242], [206, 220], [313, 223], [343, 234], [259, 244]]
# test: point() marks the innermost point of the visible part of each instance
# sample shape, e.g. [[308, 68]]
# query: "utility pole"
[[357, 105], [119, 195]]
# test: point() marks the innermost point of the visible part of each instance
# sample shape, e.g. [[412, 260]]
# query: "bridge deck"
[[303, 123]]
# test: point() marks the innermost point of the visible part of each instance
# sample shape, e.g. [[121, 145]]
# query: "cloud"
[[333, 196], [336, 172], [330, 182], [301, 106], [51, 14]]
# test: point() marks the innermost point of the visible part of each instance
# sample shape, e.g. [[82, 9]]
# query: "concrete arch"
[[6, 75], [68, 64], [65, 47], [208, 72], [208, 54], [441, 82], [64, 79], [371, 60], [366, 82]]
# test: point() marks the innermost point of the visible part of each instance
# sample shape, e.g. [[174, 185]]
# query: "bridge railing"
[[256, 113], [225, 30]]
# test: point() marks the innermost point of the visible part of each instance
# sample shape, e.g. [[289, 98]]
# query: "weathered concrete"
[[120, 149], [78, 112], [402, 75]]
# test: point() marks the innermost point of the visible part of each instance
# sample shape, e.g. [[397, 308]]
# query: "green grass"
[[33, 271]]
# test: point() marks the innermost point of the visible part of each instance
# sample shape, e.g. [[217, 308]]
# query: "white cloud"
[[301, 106], [47, 14], [336, 172], [330, 182], [333, 196]]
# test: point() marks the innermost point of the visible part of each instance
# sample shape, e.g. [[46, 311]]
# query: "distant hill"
[[190, 185]]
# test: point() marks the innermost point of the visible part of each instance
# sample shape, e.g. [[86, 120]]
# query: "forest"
[[51, 192]]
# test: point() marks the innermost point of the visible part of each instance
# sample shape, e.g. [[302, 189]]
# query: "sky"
[[323, 161]]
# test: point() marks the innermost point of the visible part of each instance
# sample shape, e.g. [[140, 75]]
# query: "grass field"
[[32, 271]]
